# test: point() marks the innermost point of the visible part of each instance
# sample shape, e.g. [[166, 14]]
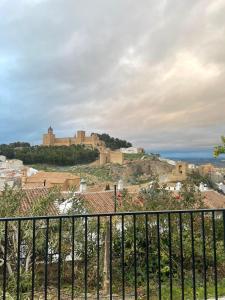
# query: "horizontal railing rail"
[[120, 213], [125, 255]]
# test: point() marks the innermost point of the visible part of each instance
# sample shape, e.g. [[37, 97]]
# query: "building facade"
[[132, 150], [64, 180]]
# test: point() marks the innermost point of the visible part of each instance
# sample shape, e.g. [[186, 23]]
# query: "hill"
[[132, 171]]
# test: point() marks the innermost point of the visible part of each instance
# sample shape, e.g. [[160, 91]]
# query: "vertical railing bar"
[[193, 256], [147, 255], [5, 261], [123, 261], [224, 228], [33, 258], [170, 257], [159, 258], [18, 260], [135, 256], [204, 255], [73, 264], [181, 254], [85, 260], [110, 258], [214, 254], [98, 256], [46, 261], [59, 258]]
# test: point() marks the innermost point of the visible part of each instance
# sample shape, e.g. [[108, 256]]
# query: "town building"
[[11, 172], [132, 150], [206, 169], [221, 187], [64, 180]]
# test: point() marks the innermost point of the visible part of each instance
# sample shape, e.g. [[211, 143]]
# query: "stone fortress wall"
[[180, 173], [80, 138], [93, 141]]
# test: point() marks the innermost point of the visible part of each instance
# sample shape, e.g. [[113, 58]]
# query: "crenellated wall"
[[93, 141], [80, 138]]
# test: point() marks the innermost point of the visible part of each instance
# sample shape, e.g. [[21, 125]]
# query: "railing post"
[[106, 259], [115, 198]]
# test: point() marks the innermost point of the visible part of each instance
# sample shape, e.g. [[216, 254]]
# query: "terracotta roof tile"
[[55, 177], [214, 199], [99, 202], [32, 195]]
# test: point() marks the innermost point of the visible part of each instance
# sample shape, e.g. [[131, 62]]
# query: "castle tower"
[[50, 130], [49, 138], [80, 136], [180, 172]]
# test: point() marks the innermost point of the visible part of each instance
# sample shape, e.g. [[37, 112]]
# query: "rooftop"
[[56, 177], [34, 195]]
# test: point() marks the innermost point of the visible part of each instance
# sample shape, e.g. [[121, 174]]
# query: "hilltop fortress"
[[93, 141], [80, 138]]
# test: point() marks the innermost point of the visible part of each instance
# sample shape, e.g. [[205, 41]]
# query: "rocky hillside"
[[149, 167], [133, 172]]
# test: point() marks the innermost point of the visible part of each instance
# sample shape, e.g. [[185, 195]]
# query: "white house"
[[132, 150], [203, 187], [221, 186]]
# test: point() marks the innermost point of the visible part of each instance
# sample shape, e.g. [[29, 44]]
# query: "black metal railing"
[[133, 255]]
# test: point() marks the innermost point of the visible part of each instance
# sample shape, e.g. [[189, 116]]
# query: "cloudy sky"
[[150, 71]]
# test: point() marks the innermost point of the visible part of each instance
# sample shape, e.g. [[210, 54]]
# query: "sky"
[[151, 72]]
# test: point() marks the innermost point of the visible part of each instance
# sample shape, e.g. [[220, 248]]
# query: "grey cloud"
[[150, 71]]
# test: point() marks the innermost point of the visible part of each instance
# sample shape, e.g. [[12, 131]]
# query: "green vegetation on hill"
[[114, 143], [19, 144], [56, 155]]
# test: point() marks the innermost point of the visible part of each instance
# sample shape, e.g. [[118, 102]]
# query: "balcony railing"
[[134, 255]]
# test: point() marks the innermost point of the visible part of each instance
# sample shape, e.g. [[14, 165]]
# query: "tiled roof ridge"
[[36, 188], [94, 192], [55, 173]]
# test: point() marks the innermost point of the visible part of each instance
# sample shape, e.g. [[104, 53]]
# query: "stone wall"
[[80, 138], [180, 172], [116, 157]]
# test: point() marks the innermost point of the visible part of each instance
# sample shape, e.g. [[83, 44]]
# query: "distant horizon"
[[194, 156], [195, 153], [205, 152], [175, 152]]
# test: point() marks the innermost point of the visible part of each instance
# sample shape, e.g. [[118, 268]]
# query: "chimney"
[[120, 185], [83, 186]]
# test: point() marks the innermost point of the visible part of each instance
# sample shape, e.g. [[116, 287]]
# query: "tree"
[[20, 233], [114, 143], [55, 155], [218, 150], [60, 232]]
